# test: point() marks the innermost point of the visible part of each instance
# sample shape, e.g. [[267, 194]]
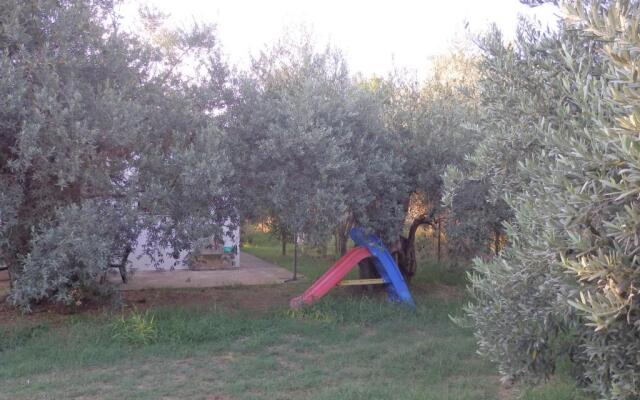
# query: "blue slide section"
[[385, 264]]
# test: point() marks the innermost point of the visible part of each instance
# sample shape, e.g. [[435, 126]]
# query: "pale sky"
[[374, 35]]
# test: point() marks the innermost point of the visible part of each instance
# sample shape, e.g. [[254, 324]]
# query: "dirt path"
[[4, 285]]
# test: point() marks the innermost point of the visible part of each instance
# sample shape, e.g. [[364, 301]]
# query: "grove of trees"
[[528, 151], [108, 133]]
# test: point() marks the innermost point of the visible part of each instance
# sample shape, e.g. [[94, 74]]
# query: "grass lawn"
[[349, 346]]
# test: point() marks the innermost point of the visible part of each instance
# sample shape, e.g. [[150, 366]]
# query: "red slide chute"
[[332, 277]]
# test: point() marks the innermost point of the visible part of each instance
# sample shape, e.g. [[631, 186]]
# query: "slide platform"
[[367, 246]]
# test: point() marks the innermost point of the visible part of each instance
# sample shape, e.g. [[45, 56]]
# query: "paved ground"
[[252, 271]]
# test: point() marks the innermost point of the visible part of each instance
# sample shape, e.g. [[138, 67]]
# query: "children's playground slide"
[[366, 246]]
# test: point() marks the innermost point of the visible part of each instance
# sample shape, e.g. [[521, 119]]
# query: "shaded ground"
[[4, 285], [252, 271], [237, 298]]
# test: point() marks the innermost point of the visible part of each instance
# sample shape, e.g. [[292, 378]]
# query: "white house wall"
[[140, 261]]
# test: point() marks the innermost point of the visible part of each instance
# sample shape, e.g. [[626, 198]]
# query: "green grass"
[[310, 262], [348, 346], [561, 388]]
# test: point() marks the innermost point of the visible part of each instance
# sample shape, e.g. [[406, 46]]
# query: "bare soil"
[[255, 298]]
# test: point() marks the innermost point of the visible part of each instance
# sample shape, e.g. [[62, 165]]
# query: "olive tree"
[[566, 282], [521, 314], [376, 190], [289, 138], [101, 136], [515, 87], [312, 144], [433, 126]]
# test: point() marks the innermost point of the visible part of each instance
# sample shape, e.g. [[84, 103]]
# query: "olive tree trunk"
[[295, 257], [403, 251], [283, 239], [342, 236]]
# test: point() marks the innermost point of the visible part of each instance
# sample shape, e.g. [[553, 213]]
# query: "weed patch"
[[136, 328]]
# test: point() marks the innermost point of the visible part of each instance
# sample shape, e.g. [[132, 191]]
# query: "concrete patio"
[[252, 271]]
